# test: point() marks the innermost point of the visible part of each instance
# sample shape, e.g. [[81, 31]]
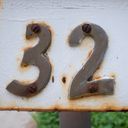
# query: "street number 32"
[[81, 84]]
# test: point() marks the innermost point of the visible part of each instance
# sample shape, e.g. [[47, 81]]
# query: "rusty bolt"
[[93, 88], [32, 89], [35, 28], [86, 28]]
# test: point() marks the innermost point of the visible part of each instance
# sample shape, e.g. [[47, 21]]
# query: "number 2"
[[33, 56], [81, 85]]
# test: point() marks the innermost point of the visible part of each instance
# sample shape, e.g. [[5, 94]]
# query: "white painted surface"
[[63, 16]]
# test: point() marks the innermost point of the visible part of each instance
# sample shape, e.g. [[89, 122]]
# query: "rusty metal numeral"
[[32, 56], [81, 85]]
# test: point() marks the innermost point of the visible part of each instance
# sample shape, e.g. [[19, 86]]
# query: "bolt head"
[[93, 88], [86, 28], [35, 28], [32, 89]]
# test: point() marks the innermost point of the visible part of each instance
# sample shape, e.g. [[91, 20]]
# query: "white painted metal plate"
[[63, 16]]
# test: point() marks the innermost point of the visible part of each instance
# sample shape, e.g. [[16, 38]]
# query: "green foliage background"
[[98, 119], [47, 119], [109, 120]]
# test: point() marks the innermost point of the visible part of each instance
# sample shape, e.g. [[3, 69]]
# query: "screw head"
[[32, 89], [93, 88], [35, 28], [86, 28]]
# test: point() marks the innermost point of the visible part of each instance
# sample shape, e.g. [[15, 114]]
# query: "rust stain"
[[90, 53], [64, 79], [26, 48], [107, 105], [111, 105], [103, 108], [52, 79], [113, 75], [24, 67], [100, 66], [97, 77], [1, 4]]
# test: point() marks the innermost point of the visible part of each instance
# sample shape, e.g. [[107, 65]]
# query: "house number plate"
[[63, 55]]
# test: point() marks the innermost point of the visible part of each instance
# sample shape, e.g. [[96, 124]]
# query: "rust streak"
[[23, 68], [64, 79], [113, 75], [1, 4], [26, 48], [61, 108], [52, 79], [97, 77], [90, 53]]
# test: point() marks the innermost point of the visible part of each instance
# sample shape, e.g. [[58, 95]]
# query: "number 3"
[[81, 86], [33, 57]]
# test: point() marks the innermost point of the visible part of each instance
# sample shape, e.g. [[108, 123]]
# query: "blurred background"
[[98, 120], [51, 119]]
